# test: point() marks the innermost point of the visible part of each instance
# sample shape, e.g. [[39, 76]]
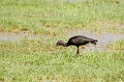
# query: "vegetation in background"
[[37, 15]]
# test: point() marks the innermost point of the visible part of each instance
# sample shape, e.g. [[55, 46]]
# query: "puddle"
[[103, 38], [8, 36]]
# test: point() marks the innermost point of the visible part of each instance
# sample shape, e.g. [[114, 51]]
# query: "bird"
[[77, 41]]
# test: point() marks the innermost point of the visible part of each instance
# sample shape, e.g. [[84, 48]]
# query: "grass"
[[30, 62], [35, 16], [119, 44], [33, 59]]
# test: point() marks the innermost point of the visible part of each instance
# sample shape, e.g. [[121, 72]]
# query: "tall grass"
[[34, 15]]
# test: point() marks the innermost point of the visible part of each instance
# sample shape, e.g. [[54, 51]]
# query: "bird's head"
[[60, 42], [94, 42]]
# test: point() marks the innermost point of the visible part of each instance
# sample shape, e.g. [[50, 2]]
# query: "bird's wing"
[[80, 40]]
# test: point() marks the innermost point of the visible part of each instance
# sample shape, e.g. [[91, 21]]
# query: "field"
[[29, 30]]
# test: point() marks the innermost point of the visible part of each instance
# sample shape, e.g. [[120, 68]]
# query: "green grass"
[[37, 15], [34, 59], [119, 44]]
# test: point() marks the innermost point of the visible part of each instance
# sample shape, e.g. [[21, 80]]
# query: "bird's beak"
[[96, 46], [55, 46]]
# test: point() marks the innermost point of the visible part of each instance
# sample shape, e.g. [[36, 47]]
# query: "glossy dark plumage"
[[77, 41]]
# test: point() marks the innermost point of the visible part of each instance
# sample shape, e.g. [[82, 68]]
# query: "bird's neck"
[[65, 44]]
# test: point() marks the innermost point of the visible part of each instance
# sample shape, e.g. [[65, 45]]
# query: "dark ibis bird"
[[77, 41]]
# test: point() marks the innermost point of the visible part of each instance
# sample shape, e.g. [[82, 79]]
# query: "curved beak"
[[55, 46]]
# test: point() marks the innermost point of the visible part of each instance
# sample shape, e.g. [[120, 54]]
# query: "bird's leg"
[[77, 50]]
